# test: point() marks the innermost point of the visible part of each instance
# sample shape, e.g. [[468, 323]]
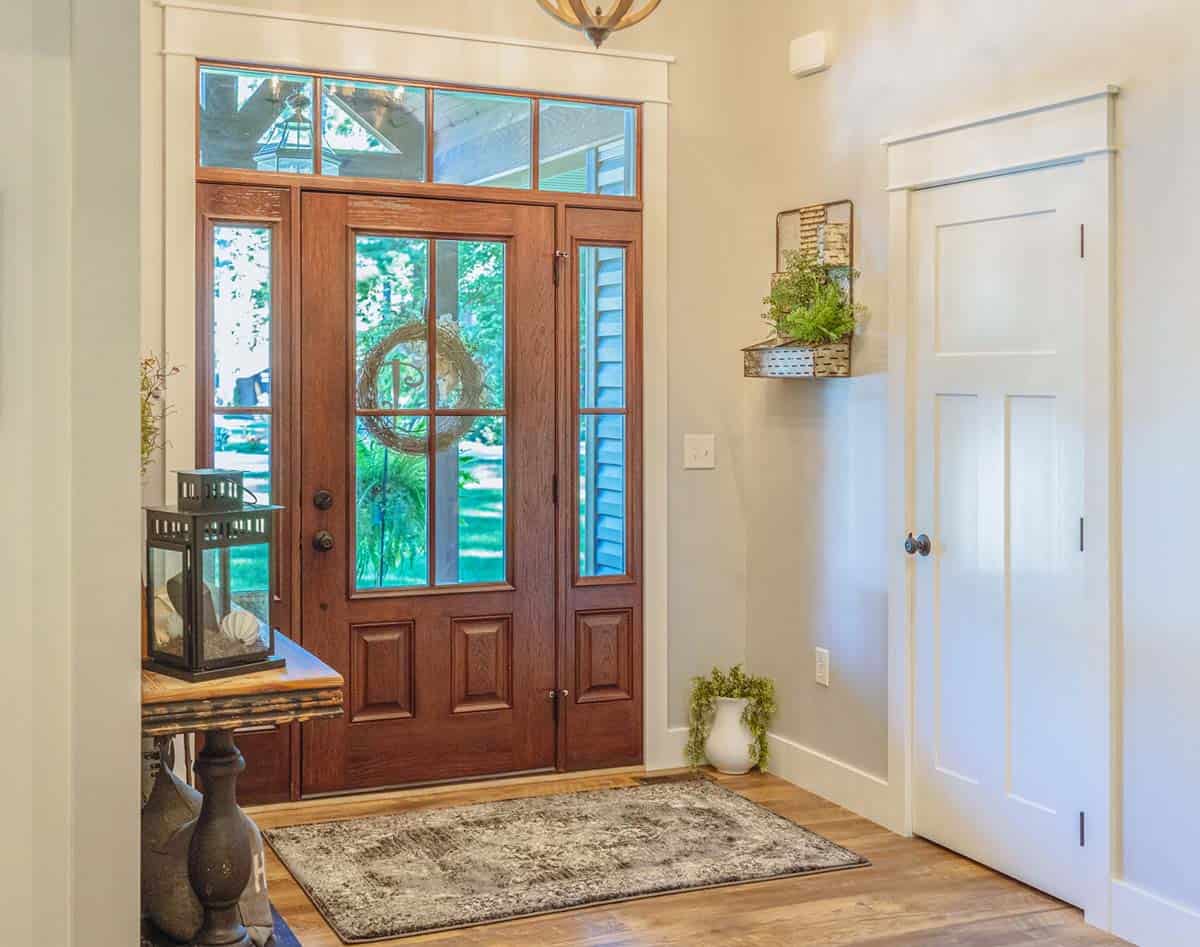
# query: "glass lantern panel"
[[168, 594], [243, 109], [236, 601]]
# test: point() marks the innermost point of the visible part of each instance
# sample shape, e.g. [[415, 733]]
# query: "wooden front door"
[[427, 420]]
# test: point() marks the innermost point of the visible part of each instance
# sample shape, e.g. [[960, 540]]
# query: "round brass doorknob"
[[322, 540], [919, 544]]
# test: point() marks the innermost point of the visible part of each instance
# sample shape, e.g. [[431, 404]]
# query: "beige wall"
[[907, 64], [707, 289]]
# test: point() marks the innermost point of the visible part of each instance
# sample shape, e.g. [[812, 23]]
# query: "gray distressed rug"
[[416, 872]]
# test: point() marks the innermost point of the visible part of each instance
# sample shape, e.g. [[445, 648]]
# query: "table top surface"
[[302, 672]]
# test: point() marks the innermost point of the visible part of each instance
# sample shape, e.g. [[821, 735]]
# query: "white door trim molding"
[[194, 31], [1080, 129]]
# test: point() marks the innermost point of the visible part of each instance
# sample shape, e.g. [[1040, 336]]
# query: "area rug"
[[416, 872]]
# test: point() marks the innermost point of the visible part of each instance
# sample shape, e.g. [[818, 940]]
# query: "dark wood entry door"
[[427, 455]]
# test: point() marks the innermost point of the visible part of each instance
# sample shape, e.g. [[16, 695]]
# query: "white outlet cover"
[[809, 54], [699, 451]]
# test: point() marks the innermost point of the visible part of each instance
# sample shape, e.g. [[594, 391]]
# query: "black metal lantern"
[[208, 580], [289, 146]]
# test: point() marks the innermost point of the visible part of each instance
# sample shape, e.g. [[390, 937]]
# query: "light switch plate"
[[699, 451], [822, 655]]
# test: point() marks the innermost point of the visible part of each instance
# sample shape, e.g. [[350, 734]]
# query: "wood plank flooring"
[[914, 893]]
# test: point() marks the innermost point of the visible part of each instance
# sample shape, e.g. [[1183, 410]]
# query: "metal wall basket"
[[824, 231]]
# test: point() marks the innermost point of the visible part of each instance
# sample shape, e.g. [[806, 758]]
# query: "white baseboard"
[[667, 751], [851, 788], [1148, 920]]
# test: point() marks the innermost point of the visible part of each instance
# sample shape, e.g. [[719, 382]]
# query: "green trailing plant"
[[808, 302], [760, 708], [155, 372]]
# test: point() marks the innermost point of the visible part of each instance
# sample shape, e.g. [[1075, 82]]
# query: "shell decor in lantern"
[[596, 22]]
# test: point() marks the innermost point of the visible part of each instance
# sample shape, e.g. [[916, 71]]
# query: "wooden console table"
[[219, 863]]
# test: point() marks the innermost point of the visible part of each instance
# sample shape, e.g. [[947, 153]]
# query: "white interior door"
[[997, 280]]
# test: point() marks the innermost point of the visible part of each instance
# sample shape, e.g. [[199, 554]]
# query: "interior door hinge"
[[560, 257], [1081, 245], [1082, 830]]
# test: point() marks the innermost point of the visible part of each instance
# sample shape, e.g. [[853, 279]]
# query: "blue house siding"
[[602, 326]]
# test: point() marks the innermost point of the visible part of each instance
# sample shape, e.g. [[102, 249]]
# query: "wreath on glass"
[[456, 367]]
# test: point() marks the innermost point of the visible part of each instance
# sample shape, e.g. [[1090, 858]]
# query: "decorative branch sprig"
[[155, 371]]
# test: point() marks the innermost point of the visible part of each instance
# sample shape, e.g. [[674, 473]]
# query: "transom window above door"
[[370, 129]]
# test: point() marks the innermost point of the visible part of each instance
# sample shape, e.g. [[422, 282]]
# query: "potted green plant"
[[813, 318], [728, 720]]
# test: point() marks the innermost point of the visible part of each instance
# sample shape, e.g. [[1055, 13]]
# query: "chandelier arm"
[[583, 16], [613, 20], [635, 18], [560, 11]]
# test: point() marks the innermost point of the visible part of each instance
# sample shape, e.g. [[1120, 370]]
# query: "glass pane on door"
[[391, 541], [471, 324], [391, 332], [469, 518]]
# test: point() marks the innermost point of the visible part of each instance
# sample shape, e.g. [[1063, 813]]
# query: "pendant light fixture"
[[596, 22]]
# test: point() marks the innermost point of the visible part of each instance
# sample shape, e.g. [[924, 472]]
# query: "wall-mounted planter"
[[824, 232], [776, 359]]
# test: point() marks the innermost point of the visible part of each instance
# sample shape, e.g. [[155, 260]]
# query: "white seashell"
[[241, 625]]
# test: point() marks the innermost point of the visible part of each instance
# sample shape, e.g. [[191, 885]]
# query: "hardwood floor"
[[914, 893]]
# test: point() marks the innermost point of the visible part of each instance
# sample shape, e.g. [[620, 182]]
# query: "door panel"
[[997, 283], [429, 415]]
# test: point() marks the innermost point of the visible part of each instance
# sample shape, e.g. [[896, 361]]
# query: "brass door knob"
[[322, 540]]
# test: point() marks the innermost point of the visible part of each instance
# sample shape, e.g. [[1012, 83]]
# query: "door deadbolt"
[[919, 544], [323, 500]]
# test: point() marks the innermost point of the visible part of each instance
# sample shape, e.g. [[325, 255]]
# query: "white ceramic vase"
[[728, 744]]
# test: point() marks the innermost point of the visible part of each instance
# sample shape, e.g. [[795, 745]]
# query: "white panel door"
[[997, 285]]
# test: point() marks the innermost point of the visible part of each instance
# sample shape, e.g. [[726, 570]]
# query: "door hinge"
[[1081, 245], [1082, 830], [560, 257], [1081, 534]]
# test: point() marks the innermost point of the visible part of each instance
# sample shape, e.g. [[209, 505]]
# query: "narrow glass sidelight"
[[602, 495], [602, 503]]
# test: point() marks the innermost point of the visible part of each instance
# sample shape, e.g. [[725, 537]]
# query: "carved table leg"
[[219, 860]]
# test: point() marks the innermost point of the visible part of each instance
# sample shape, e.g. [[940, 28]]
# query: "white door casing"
[[1068, 138], [997, 282]]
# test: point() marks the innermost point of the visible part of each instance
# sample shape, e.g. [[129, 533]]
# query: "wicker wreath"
[[452, 352]]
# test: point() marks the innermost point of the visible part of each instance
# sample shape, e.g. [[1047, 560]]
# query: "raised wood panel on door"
[[601, 654], [381, 677], [481, 664]]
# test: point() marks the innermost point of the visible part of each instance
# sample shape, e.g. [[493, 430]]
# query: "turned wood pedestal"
[[219, 863]]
